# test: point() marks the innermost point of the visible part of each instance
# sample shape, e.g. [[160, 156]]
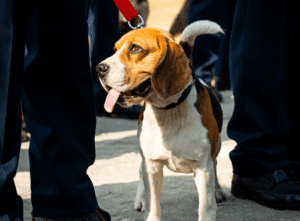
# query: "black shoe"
[[294, 166], [97, 215], [274, 190]]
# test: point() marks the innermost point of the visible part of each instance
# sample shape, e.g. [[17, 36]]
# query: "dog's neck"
[[175, 100], [171, 102], [174, 117]]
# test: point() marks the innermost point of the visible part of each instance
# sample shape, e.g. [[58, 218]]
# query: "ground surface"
[[115, 171]]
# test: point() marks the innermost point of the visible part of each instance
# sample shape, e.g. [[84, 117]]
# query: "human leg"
[[103, 25], [13, 23], [261, 121], [59, 110], [258, 60]]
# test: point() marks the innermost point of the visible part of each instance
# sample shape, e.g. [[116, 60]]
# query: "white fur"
[[115, 78], [181, 135], [177, 139], [198, 28]]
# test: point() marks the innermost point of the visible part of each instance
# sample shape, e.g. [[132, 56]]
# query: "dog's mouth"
[[127, 98], [142, 90]]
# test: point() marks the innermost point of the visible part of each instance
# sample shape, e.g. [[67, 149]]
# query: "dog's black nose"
[[102, 69]]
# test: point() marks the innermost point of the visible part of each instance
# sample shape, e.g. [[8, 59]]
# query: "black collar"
[[184, 94]]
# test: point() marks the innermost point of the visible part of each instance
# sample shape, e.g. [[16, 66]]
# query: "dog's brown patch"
[[204, 107], [174, 73], [141, 117]]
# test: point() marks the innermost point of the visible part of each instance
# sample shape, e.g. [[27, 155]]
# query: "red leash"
[[129, 12], [127, 9]]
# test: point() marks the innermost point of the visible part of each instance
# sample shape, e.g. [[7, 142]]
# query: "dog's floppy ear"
[[173, 73], [160, 54]]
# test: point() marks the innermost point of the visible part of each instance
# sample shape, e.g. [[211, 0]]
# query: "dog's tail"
[[193, 30]]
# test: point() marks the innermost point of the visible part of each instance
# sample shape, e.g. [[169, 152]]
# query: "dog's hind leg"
[[205, 182], [220, 195]]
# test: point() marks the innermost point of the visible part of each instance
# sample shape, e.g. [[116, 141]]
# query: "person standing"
[[57, 87], [263, 65]]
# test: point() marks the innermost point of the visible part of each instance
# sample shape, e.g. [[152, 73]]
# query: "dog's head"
[[146, 61]]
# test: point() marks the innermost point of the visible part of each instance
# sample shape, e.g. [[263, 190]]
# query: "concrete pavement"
[[115, 176]]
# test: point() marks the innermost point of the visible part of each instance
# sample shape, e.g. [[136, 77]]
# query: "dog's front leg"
[[205, 182], [153, 180], [139, 203]]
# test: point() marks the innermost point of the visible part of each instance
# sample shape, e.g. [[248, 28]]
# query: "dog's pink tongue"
[[111, 100]]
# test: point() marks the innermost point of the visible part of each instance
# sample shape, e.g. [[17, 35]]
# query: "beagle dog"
[[181, 120]]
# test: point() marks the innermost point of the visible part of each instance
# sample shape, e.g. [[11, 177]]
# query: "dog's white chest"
[[171, 134]]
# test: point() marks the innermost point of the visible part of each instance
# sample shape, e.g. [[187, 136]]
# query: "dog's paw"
[[139, 204], [220, 195]]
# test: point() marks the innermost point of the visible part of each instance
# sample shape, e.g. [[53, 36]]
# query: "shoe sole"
[[243, 193]]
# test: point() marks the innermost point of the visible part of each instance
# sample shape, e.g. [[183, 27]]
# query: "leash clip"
[[139, 25]]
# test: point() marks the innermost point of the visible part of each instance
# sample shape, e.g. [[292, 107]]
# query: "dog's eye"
[[135, 49]]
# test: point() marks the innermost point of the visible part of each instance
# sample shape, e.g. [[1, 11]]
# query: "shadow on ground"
[[181, 204]]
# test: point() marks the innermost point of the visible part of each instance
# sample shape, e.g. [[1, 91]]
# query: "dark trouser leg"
[[290, 84], [13, 19], [205, 53], [104, 32], [221, 67], [260, 48], [58, 106]]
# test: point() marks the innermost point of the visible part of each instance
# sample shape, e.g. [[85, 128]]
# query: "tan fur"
[[142, 65]]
